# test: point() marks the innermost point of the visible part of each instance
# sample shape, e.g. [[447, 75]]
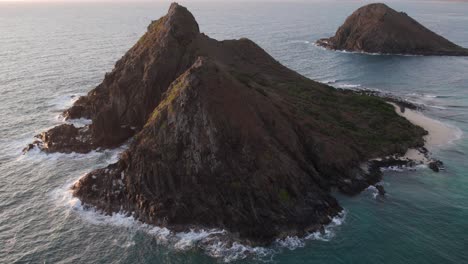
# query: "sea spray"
[[216, 243]]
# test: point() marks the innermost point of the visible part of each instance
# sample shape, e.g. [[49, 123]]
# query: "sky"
[[64, 1]]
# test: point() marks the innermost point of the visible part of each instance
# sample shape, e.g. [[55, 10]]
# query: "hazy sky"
[[182, 1], [216, 0]]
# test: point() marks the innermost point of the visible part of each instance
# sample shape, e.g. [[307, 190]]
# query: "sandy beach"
[[440, 134]]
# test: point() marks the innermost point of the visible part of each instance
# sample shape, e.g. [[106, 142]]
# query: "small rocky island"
[[224, 136], [377, 28]]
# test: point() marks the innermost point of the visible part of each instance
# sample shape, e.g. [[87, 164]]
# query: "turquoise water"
[[49, 52]]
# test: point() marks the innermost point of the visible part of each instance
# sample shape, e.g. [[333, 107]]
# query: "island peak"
[[226, 137], [377, 28]]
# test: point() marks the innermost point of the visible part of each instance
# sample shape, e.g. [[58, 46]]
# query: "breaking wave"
[[339, 84], [213, 242], [368, 53], [348, 86], [64, 101], [110, 155], [332, 81]]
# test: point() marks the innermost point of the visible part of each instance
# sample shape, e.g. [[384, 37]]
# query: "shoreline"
[[326, 46], [217, 243], [322, 45], [221, 244], [439, 133]]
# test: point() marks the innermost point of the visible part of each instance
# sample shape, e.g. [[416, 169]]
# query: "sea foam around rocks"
[[367, 53], [215, 243]]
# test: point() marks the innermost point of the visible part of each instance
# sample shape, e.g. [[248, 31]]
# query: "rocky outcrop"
[[436, 165], [122, 103], [377, 28], [380, 190], [226, 137]]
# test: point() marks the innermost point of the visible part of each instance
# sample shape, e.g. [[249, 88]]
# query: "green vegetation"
[[367, 121], [284, 196]]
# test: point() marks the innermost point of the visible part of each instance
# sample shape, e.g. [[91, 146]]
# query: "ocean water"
[[51, 53]]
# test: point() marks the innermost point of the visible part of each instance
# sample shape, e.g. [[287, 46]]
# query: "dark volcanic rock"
[[67, 138], [436, 165], [380, 189], [377, 28], [129, 94], [226, 137]]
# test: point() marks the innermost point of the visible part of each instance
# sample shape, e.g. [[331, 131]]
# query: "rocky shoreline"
[[224, 136]]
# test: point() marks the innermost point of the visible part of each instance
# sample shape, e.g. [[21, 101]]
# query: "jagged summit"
[[377, 28], [181, 22], [226, 137], [121, 104]]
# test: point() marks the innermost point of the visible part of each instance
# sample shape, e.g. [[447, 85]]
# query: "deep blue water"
[[50, 52]]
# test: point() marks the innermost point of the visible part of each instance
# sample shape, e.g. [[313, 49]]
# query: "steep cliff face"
[[121, 104], [377, 28], [216, 153], [226, 137]]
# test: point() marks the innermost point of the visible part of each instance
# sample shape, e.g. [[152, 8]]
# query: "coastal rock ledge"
[[224, 136], [377, 28]]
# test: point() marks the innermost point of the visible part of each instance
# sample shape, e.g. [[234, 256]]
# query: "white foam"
[[161, 234], [237, 251], [329, 231], [297, 41], [81, 122], [426, 104], [348, 86], [189, 239], [436, 107], [424, 95], [65, 101], [457, 133], [403, 168], [37, 155], [373, 190], [205, 239], [367, 53], [115, 242], [392, 168], [329, 81], [378, 53], [291, 243], [326, 234], [335, 83], [209, 241]]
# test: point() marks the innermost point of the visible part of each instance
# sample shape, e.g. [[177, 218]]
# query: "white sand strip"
[[440, 134]]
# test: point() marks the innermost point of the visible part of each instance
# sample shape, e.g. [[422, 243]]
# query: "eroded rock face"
[[377, 28], [129, 94], [206, 161], [66, 138], [227, 137]]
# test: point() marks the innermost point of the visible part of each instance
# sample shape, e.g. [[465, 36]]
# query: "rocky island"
[[377, 28], [224, 136]]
